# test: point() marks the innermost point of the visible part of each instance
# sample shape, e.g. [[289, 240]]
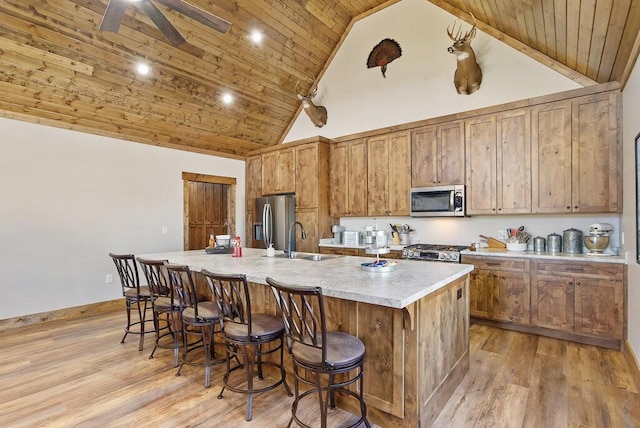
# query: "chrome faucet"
[[292, 237]]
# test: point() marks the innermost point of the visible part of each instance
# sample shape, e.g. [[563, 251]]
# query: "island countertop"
[[338, 276]]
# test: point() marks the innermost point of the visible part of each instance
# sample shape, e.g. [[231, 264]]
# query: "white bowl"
[[516, 246]]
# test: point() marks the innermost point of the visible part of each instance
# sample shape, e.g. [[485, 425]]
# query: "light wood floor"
[[76, 373]]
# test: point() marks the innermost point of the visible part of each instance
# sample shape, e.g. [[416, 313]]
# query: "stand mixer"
[[598, 238]]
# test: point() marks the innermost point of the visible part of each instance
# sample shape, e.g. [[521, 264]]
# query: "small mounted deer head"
[[468, 75], [317, 114]]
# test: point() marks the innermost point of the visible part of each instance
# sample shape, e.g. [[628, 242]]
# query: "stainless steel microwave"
[[439, 201]]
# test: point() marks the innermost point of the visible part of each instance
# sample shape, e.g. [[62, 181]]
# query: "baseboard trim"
[[632, 361], [62, 314]]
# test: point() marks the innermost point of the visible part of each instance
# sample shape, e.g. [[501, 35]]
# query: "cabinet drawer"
[[498, 263], [583, 269]]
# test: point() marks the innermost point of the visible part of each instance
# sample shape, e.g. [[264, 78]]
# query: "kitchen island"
[[414, 321]]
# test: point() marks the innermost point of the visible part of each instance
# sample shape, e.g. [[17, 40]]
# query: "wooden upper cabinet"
[[551, 158], [254, 177], [498, 163], [307, 179], [437, 155], [348, 178], [596, 157], [278, 175], [389, 174]]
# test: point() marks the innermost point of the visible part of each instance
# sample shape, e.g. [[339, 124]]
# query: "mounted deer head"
[[317, 114], [468, 75]]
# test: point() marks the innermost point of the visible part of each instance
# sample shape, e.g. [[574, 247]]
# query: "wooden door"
[[513, 162], [399, 174], [437, 156], [596, 163], [599, 307], [270, 173], [551, 158], [552, 302], [480, 149], [378, 175], [278, 175], [207, 212]]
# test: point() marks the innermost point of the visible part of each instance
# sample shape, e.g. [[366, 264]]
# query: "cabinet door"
[[551, 158], [480, 149], [451, 153], [599, 308], [286, 171], [552, 302], [270, 173], [307, 176], [480, 294], [339, 179], [309, 218], [510, 297], [424, 156], [596, 163], [377, 175], [253, 175], [513, 162], [399, 174], [357, 178]]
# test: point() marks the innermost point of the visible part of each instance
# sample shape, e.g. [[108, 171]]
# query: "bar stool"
[[321, 354], [247, 336], [134, 295], [166, 306], [199, 318]]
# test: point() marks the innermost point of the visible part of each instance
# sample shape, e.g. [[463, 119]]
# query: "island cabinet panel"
[[596, 157], [551, 158], [278, 175], [388, 174], [348, 178], [437, 155]]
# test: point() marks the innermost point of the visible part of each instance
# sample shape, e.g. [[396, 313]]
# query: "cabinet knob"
[[577, 283], [575, 207], [568, 207]]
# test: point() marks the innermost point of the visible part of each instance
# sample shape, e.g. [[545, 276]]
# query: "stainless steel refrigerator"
[[272, 216]]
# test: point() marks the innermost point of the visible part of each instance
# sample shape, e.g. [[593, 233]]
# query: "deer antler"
[[468, 36]]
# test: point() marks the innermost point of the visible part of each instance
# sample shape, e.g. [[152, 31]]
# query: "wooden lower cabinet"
[[577, 301]]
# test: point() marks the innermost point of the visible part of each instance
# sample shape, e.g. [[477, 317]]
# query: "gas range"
[[433, 252]]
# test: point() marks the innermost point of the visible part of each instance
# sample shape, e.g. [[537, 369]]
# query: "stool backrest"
[[157, 279], [301, 322], [231, 293], [181, 279], [127, 270]]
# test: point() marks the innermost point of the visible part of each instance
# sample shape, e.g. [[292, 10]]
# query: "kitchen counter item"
[[572, 241], [598, 238], [539, 244], [516, 246], [351, 237], [554, 243], [493, 242]]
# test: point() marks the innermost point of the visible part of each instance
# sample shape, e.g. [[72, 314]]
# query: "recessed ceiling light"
[[227, 98], [256, 36], [143, 68]]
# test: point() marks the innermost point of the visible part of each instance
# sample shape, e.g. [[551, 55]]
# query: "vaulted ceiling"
[[58, 69]]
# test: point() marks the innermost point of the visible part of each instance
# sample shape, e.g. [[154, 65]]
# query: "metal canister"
[[554, 243], [572, 240], [539, 244]]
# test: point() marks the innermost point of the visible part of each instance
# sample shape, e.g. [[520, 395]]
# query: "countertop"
[[581, 257], [339, 276]]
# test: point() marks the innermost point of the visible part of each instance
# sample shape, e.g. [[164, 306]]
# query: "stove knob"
[[455, 257], [443, 256]]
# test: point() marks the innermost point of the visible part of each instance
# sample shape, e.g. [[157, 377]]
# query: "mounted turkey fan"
[[115, 12]]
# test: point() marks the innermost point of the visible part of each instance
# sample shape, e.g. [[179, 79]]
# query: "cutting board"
[[493, 242]]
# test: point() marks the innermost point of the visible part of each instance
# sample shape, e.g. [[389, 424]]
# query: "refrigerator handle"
[[266, 224]]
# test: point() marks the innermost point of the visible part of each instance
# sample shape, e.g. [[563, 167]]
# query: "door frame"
[[204, 178]]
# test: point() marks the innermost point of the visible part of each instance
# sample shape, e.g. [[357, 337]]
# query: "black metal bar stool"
[[330, 360], [166, 307], [199, 318], [248, 336], [134, 295]]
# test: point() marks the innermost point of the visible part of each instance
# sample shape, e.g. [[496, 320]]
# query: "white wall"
[[419, 84], [67, 199], [631, 110]]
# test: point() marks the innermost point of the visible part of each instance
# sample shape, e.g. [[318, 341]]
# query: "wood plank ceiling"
[[57, 68]]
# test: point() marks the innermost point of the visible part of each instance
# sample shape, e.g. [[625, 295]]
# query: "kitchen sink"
[[315, 257]]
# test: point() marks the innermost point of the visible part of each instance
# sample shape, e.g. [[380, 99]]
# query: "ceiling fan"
[[115, 12]]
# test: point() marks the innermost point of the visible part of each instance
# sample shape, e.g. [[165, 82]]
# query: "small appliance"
[[598, 238], [433, 252], [438, 201]]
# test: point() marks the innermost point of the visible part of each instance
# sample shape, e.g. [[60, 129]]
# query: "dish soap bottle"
[[271, 251]]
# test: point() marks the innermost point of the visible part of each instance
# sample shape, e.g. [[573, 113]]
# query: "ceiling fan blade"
[[197, 14], [162, 23], [113, 16]]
